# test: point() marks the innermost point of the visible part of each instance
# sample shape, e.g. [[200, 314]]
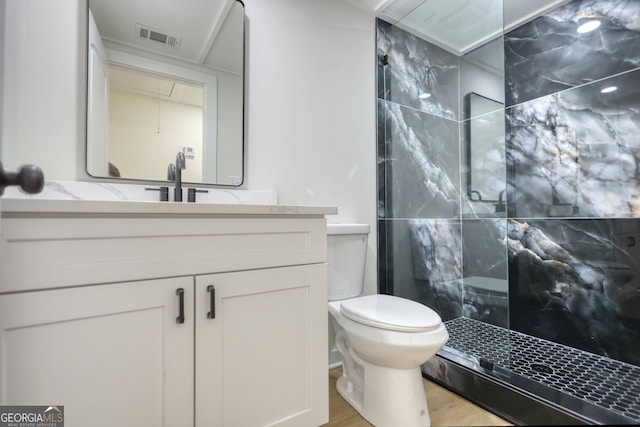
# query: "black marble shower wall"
[[570, 243], [573, 156], [418, 171]]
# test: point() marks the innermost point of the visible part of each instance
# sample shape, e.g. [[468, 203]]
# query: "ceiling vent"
[[148, 33]]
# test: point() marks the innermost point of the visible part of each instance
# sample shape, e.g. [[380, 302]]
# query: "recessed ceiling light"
[[589, 26], [609, 89], [424, 95]]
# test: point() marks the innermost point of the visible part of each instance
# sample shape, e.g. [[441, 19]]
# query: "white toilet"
[[382, 339]]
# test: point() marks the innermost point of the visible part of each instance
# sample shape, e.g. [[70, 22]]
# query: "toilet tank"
[[346, 256]]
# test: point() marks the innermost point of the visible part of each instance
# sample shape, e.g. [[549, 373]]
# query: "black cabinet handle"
[[180, 293], [29, 177], [212, 296]]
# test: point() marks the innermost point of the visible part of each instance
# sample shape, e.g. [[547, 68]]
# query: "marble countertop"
[[106, 199]]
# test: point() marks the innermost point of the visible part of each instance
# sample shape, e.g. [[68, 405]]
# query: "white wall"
[[311, 108], [2, 36], [310, 103], [44, 87]]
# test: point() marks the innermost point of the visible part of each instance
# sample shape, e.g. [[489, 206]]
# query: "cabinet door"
[[112, 355], [263, 359]]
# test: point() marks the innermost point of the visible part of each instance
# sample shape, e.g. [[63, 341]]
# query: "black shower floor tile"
[[601, 381]]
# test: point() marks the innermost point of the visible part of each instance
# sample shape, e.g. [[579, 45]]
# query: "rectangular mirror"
[[165, 78], [484, 135]]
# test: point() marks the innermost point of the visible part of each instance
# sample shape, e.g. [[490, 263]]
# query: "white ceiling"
[[203, 29], [457, 25]]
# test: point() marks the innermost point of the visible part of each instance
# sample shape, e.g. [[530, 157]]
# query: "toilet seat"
[[390, 313]]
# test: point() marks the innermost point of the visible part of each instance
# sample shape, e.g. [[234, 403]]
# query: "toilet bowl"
[[382, 339]]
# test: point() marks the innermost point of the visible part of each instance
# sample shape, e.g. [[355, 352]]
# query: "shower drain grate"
[[599, 380]]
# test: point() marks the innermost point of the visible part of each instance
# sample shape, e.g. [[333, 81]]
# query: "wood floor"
[[445, 408]]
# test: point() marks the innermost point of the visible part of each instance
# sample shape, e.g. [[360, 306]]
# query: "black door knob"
[[29, 177]]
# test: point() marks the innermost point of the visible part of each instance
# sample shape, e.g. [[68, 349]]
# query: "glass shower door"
[[442, 178]]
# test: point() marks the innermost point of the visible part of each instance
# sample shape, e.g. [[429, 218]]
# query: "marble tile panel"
[[415, 67], [436, 258], [423, 262], [548, 55], [422, 175], [576, 153], [577, 282], [484, 247], [484, 286], [383, 167]]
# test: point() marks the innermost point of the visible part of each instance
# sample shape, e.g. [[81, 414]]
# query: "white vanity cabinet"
[[111, 354], [256, 351], [90, 301]]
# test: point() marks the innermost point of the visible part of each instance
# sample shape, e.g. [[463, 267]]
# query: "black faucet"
[[177, 170]]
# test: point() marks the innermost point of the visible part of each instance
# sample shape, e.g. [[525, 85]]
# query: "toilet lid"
[[390, 313]]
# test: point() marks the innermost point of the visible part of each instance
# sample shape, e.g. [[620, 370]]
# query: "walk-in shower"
[[509, 198]]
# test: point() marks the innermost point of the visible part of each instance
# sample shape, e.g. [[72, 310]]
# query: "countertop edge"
[[42, 207]]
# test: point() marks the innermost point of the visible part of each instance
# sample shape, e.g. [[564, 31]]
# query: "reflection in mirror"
[[484, 136], [162, 79], [154, 114]]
